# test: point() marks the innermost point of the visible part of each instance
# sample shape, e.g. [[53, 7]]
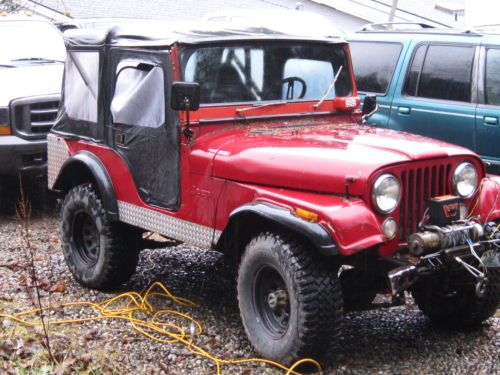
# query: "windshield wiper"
[[330, 88], [6, 65], [254, 106], [44, 59]]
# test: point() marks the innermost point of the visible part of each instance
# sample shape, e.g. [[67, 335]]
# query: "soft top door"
[[145, 131]]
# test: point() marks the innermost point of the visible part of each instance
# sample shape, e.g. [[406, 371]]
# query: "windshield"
[[30, 42], [285, 71]]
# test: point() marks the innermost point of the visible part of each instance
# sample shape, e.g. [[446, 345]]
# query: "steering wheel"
[[291, 85]]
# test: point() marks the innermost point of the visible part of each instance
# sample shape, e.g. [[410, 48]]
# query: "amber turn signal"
[[5, 129], [306, 215]]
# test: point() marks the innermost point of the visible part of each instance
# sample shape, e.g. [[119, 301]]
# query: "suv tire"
[[290, 300], [99, 255], [459, 307]]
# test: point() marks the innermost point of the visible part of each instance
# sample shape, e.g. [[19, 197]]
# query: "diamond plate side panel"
[[57, 154], [185, 231]]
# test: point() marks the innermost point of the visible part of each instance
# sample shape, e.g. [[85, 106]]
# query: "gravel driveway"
[[398, 340]]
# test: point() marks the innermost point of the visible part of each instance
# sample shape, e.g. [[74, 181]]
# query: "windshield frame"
[[267, 104]]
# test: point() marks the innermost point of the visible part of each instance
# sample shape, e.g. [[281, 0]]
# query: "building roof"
[[437, 13], [174, 10]]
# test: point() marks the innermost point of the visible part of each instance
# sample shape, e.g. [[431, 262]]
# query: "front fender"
[[487, 204], [349, 222], [314, 232]]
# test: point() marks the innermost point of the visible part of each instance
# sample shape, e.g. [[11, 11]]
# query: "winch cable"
[[474, 254], [127, 306]]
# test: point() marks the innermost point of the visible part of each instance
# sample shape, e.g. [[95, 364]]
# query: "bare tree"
[[10, 6], [23, 211]]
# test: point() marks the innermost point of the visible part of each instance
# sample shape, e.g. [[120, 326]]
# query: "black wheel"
[[458, 306], [290, 300], [358, 291], [98, 253]]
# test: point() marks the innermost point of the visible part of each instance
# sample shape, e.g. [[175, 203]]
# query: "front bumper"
[[474, 257], [22, 156]]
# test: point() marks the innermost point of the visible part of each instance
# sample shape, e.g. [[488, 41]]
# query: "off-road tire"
[[459, 308], [316, 305], [117, 256]]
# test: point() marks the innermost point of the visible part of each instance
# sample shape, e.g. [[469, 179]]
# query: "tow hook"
[[402, 278]]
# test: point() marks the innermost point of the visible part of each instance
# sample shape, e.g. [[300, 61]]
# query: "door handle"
[[404, 110], [120, 139], [490, 120]]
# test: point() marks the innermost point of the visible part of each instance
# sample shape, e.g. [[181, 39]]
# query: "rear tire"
[[458, 306], [290, 300], [98, 251]]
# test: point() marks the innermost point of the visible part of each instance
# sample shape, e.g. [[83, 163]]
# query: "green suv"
[[443, 84]]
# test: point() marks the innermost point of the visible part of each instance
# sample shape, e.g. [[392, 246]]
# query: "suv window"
[[444, 73], [263, 72], [492, 84], [374, 65]]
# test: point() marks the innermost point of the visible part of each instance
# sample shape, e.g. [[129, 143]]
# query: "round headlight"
[[465, 179], [386, 193]]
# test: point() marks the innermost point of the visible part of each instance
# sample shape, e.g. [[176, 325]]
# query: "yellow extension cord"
[[134, 303]]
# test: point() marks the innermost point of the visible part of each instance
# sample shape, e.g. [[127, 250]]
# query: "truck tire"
[[98, 253], [459, 307], [290, 300]]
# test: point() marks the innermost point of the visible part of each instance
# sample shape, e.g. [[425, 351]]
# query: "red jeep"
[[244, 141]]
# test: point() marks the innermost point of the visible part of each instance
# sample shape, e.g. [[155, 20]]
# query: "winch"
[[435, 237]]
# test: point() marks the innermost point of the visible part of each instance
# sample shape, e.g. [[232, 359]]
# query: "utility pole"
[[393, 10]]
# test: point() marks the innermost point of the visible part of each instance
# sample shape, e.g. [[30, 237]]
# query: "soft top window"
[[256, 72], [139, 98], [81, 85]]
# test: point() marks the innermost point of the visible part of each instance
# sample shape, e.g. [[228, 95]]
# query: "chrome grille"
[[419, 184], [42, 116], [33, 117]]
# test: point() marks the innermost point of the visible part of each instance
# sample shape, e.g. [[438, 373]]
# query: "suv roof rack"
[[493, 28], [417, 27], [395, 26]]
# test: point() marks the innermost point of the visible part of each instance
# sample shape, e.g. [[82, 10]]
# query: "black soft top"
[[163, 34]]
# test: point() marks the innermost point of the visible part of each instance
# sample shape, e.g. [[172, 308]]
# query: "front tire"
[[98, 253], [459, 306], [290, 300]]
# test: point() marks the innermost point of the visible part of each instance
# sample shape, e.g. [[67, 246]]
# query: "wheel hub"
[[277, 299], [272, 301]]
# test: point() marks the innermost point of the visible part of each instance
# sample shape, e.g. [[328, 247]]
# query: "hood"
[[317, 157], [30, 80]]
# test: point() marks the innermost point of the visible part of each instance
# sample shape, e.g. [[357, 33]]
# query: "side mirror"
[[185, 96], [369, 105]]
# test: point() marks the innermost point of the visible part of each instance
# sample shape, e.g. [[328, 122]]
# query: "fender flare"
[[99, 176], [314, 232]]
